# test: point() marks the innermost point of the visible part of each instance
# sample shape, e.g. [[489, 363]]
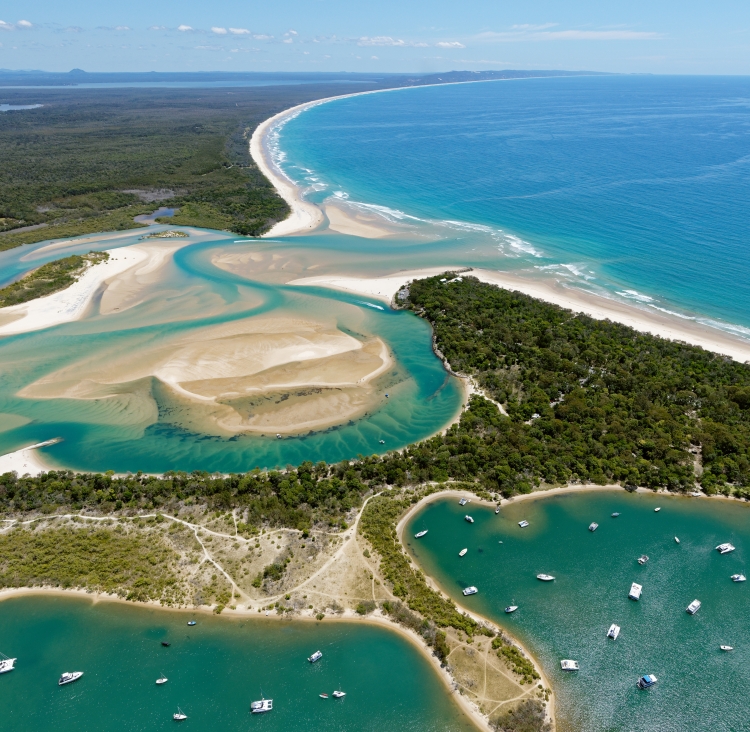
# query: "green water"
[[214, 669], [700, 687]]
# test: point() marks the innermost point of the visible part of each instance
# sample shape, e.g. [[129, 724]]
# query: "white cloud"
[[239, 31], [568, 35], [450, 44], [184, 28], [24, 24], [262, 37], [292, 33], [122, 28], [21, 25], [388, 41], [374, 58], [219, 31], [158, 27], [287, 40], [532, 27], [5, 26]]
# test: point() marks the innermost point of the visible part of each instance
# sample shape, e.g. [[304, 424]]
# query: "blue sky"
[[658, 36]]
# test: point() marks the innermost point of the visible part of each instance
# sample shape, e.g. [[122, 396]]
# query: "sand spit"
[[355, 223], [601, 308], [26, 460]]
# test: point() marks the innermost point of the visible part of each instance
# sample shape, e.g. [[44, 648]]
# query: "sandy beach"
[[25, 461]]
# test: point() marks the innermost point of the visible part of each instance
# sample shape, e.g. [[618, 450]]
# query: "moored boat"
[[462, 502], [725, 548], [523, 524], [593, 526], [569, 665], [191, 623], [69, 677], [613, 632], [693, 607], [545, 577], [726, 648], [677, 541], [462, 552], [738, 578], [469, 519], [166, 644], [615, 514], [323, 696], [511, 608], [7, 664], [262, 706], [179, 715], [470, 590], [339, 694], [647, 681], [635, 591], [643, 559], [315, 657], [497, 510], [162, 680], [420, 534], [657, 509]]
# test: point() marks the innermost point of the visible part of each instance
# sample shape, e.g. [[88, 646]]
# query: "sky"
[[410, 36]]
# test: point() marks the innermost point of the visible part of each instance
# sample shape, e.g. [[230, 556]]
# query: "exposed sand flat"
[[601, 308], [352, 224], [26, 460], [69, 304]]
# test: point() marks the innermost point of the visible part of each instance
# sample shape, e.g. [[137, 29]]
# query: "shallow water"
[[215, 670], [700, 687]]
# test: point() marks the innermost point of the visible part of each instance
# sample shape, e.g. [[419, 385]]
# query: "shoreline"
[[467, 707]]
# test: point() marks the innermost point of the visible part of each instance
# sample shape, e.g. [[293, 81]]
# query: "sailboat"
[[179, 715], [6, 664], [162, 679]]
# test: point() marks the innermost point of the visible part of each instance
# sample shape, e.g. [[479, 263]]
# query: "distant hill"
[[454, 77]]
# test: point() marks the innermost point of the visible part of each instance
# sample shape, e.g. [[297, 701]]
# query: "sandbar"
[[26, 460]]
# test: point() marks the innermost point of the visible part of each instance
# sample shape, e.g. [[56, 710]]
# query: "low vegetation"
[[528, 716], [49, 278]]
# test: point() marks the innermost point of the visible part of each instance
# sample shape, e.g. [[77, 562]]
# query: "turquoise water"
[[100, 435], [214, 669], [700, 687], [636, 187]]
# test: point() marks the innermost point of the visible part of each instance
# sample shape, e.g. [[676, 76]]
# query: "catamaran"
[[462, 502], [69, 677], [420, 534], [738, 578], [523, 524], [693, 607], [647, 681], [470, 590], [635, 591], [469, 519], [179, 715], [315, 657], [613, 632], [6, 664], [725, 548], [262, 706], [593, 526], [339, 694], [568, 665], [545, 577], [462, 552]]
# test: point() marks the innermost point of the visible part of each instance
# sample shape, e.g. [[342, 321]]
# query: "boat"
[[643, 559], [677, 541], [315, 657], [545, 577], [470, 590], [657, 509], [339, 694], [191, 623], [323, 696], [382, 442], [647, 681], [179, 715], [567, 665], [462, 552], [469, 519], [523, 524], [262, 706], [615, 514], [162, 680], [693, 607], [462, 502], [6, 664], [725, 548], [69, 677], [593, 526], [726, 648], [635, 591], [613, 632], [511, 608], [420, 534], [735, 578], [166, 644], [497, 510]]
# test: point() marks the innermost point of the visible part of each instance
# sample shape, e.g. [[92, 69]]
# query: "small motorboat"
[[469, 519], [568, 665], [162, 680], [615, 514], [511, 608], [635, 591], [676, 540], [262, 706], [191, 623], [613, 632], [593, 526], [179, 715], [725, 548], [726, 648], [497, 510], [7, 664], [323, 696], [462, 552], [470, 591], [339, 694], [693, 607], [69, 677], [420, 534], [166, 644], [315, 657], [523, 524], [647, 681], [462, 502], [545, 577], [657, 509], [382, 442], [643, 559], [738, 578]]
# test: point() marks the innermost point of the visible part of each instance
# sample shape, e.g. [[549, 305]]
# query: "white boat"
[[469, 519], [613, 632], [693, 607], [7, 664], [420, 534], [545, 577], [643, 559], [462, 502], [511, 608], [725, 548], [462, 552], [69, 677], [615, 514], [339, 694], [191, 623], [259, 707], [497, 510], [523, 524], [593, 526], [677, 541], [726, 648], [323, 696], [179, 715], [162, 680], [567, 665], [657, 509], [315, 657], [647, 681], [471, 590], [635, 591], [735, 578]]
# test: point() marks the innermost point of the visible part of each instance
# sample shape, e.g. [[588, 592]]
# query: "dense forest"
[[91, 160]]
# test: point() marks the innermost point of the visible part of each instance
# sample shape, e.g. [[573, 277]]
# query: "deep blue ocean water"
[[634, 186]]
